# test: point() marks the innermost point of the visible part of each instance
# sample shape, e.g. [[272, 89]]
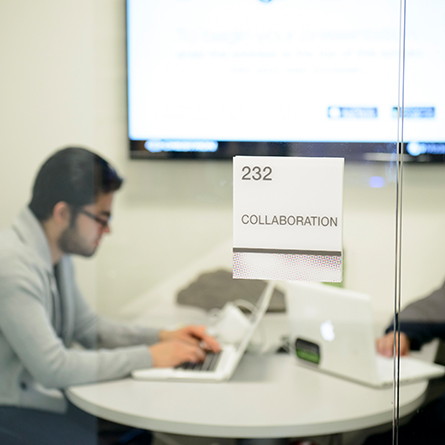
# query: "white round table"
[[268, 396]]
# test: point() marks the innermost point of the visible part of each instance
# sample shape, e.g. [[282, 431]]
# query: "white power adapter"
[[229, 324]]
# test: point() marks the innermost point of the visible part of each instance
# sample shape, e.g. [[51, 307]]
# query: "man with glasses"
[[43, 315]]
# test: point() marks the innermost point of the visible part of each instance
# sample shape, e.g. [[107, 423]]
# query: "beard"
[[71, 242]]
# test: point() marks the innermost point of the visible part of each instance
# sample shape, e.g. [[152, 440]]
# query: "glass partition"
[[421, 280], [275, 78]]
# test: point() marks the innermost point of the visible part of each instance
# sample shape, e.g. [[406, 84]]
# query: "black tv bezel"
[[351, 151]]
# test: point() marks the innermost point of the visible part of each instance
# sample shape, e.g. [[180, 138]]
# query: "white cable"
[[240, 303], [246, 304], [253, 309]]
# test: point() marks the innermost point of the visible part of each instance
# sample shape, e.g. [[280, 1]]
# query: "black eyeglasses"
[[103, 222]]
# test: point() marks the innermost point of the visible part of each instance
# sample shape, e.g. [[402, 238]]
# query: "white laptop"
[[216, 368], [332, 331]]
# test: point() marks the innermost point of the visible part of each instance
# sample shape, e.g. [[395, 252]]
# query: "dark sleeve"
[[424, 319]]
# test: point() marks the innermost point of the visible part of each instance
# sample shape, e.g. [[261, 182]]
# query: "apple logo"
[[327, 330]]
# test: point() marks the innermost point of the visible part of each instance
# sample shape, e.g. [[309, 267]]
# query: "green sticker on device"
[[307, 350]]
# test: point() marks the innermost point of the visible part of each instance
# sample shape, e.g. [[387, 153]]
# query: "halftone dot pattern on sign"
[[287, 267]]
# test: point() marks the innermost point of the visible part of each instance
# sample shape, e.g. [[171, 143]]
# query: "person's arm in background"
[[167, 348], [93, 331], [420, 322], [26, 329]]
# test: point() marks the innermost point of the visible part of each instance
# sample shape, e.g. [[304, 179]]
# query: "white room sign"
[[287, 218]]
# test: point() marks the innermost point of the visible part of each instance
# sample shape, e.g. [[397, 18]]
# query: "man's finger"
[[189, 339], [384, 346], [195, 354], [204, 340], [210, 343]]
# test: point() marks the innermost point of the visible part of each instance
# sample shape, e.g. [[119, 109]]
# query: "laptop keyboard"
[[209, 364]]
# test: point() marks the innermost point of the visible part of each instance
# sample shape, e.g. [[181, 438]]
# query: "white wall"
[[369, 232], [63, 82]]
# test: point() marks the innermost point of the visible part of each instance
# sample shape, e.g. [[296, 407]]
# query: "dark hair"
[[73, 175]]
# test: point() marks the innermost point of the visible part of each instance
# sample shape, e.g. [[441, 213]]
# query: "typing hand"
[[174, 352], [192, 335], [385, 344]]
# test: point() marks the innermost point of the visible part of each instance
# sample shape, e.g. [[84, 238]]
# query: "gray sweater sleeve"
[[25, 324], [93, 331]]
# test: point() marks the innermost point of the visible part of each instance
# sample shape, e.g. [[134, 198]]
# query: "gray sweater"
[[41, 319]]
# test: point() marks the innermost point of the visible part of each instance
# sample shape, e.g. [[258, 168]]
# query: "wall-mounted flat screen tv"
[[209, 79]]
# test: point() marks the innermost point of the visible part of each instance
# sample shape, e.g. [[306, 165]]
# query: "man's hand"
[[385, 344], [173, 353], [192, 335]]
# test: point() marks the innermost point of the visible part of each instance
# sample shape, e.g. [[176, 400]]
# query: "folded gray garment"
[[214, 289]]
